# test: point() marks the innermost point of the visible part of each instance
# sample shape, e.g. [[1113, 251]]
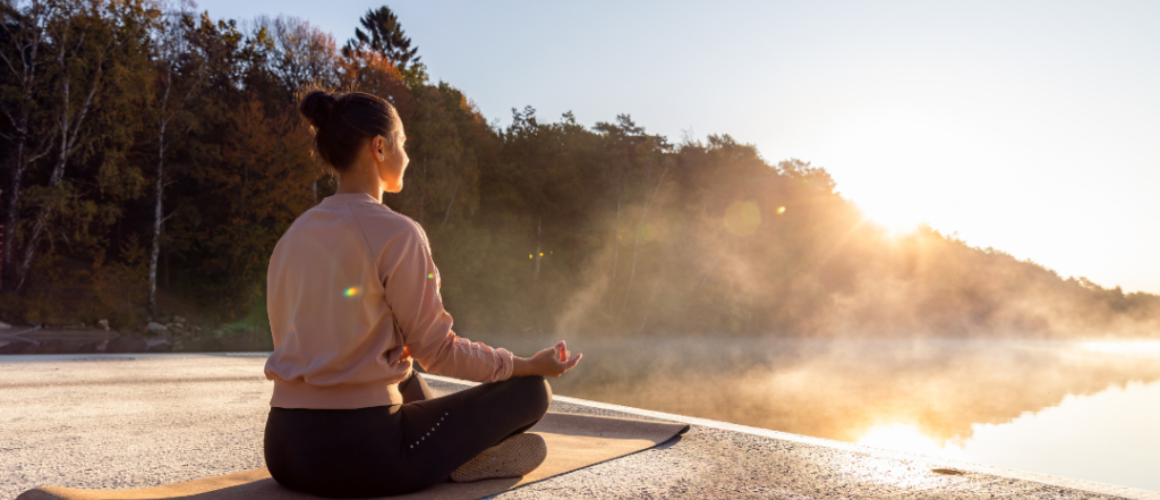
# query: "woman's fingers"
[[561, 359], [561, 351], [563, 368], [572, 362]]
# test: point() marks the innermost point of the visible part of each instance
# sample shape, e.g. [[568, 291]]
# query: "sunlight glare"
[[900, 437], [906, 141], [897, 220]]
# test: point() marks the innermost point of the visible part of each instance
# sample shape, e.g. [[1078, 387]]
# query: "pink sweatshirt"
[[353, 295]]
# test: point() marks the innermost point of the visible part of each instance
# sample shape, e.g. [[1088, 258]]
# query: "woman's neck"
[[360, 180]]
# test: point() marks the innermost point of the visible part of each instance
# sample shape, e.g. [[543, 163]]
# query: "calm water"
[[1084, 410]]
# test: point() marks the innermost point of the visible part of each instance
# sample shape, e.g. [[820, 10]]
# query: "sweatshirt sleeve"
[[412, 292]]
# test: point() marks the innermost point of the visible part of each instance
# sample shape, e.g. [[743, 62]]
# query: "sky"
[[1032, 127]]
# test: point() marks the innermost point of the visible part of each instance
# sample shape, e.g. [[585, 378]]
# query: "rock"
[[156, 327], [151, 343], [4, 326], [217, 334], [4, 343], [179, 319], [104, 324], [103, 345]]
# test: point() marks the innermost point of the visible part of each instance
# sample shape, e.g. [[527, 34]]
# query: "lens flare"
[[430, 276], [780, 210], [350, 292], [648, 232], [742, 218]]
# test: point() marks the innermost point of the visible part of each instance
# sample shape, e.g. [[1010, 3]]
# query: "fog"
[[839, 389], [799, 261], [712, 284]]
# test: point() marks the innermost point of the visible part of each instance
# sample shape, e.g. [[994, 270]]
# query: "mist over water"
[[839, 389], [940, 391]]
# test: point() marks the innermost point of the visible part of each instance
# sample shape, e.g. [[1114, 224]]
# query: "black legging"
[[392, 450]]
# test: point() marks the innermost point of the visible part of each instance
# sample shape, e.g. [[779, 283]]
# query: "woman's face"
[[394, 161]]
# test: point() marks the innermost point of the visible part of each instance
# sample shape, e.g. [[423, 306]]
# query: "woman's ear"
[[379, 146]]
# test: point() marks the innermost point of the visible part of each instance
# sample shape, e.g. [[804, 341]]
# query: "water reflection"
[[1074, 409], [901, 437], [1109, 437]]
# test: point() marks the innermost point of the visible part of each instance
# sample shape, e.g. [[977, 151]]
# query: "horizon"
[[1017, 103]]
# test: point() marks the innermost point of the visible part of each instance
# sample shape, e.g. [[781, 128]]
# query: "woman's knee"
[[535, 391]]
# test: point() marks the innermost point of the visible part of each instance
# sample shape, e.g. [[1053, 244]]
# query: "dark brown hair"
[[343, 122]]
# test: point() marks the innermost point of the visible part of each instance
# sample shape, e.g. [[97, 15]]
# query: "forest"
[[153, 155]]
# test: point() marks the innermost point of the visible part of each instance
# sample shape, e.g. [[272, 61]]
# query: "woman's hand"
[[550, 362]]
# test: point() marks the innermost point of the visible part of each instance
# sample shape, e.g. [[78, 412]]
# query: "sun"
[[896, 217], [889, 156]]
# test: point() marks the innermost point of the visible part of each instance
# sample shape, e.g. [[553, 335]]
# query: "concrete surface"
[[115, 421]]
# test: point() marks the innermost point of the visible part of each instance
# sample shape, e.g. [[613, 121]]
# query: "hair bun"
[[343, 122], [317, 106]]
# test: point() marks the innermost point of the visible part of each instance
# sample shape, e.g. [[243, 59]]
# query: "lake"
[[1083, 410]]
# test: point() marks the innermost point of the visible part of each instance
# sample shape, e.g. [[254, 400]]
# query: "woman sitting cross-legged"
[[353, 297]]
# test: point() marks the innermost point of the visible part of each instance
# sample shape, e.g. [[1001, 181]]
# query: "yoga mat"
[[574, 441]]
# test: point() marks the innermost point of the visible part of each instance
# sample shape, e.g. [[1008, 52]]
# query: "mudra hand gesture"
[[550, 362]]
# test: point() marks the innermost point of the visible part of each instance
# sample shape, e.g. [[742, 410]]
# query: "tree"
[[384, 35], [235, 74], [260, 187], [88, 39], [300, 54], [443, 134], [23, 52], [181, 67], [633, 151]]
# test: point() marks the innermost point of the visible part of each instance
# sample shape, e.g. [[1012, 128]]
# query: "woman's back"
[[353, 295], [331, 324]]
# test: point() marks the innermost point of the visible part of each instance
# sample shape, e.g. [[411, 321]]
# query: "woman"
[[353, 297]]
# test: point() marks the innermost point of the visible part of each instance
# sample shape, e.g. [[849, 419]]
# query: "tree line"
[[153, 155]]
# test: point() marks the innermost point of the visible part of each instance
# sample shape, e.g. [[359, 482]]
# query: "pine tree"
[[384, 38], [384, 35]]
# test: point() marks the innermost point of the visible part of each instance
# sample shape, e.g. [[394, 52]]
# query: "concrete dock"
[[117, 421]]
